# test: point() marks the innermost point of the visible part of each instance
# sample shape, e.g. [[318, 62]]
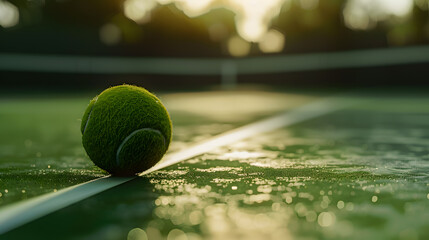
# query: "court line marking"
[[23, 212], [287, 118], [17, 214], [213, 66]]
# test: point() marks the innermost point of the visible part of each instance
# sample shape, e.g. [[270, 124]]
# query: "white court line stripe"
[[18, 214], [26, 211], [299, 114]]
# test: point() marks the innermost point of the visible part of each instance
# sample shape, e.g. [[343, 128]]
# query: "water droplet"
[[326, 219], [340, 204], [276, 207], [311, 216], [195, 217], [324, 204], [177, 235], [350, 206], [137, 234]]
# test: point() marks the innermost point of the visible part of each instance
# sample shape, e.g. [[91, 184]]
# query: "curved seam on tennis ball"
[[89, 115], [132, 134]]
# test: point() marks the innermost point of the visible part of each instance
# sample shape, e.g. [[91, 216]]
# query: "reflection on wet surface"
[[40, 140], [341, 176], [40, 147], [351, 175]]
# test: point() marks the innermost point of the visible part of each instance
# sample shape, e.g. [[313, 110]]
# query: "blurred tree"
[[102, 28]]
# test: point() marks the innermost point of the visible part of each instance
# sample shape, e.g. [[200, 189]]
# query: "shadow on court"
[[104, 216]]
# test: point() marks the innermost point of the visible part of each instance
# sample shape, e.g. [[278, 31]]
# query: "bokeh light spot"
[[364, 14], [9, 14], [326, 219], [176, 234], [137, 234], [139, 10], [272, 42], [238, 47], [110, 34]]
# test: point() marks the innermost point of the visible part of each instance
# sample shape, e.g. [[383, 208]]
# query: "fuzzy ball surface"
[[126, 130]]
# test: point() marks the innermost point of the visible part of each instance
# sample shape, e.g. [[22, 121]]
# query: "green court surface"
[[358, 173], [40, 142]]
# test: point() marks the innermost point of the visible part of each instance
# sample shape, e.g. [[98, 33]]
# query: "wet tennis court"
[[359, 172]]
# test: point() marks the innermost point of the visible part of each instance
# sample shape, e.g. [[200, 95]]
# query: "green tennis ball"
[[126, 130]]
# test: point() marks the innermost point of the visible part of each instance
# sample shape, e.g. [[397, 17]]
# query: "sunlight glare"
[[139, 10], [9, 14], [364, 14], [273, 41], [238, 47], [252, 17], [192, 8]]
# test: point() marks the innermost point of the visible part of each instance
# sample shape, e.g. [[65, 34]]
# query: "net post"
[[228, 74]]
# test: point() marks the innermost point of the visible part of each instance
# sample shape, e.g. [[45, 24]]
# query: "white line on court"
[[299, 114], [26, 211], [18, 214]]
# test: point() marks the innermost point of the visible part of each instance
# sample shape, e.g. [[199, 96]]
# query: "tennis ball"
[[126, 130]]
